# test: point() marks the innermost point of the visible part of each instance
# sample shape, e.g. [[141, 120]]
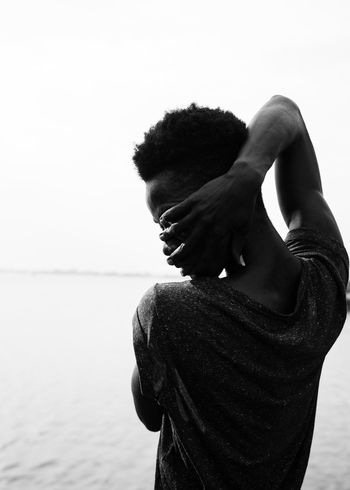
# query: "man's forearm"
[[278, 132], [273, 129]]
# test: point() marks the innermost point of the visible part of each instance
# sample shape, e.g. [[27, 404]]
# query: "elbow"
[[285, 102], [288, 114], [152, 421], [153, 426], [148, 410]]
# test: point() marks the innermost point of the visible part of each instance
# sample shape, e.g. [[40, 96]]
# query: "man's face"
[[164, 191]]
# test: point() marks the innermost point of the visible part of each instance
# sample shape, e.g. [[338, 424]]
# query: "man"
[[228, 368]]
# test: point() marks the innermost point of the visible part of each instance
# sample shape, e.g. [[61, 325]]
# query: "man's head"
[[184, 150]]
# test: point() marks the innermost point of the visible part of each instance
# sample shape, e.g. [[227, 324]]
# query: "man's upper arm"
[[148, 376], [299, 185]]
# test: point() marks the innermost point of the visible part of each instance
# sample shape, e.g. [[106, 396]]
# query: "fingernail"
[[170, 262], [162, 220]]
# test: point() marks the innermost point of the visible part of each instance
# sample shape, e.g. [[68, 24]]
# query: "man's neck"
[[268, 262], [271, 274]]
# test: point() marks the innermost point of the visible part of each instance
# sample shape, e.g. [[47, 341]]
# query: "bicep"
[[299, 188]]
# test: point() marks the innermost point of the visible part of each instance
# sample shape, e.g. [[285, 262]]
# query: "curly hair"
[[197, 142]]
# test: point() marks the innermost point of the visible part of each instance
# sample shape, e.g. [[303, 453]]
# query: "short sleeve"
[[307, 243], [146, 346]]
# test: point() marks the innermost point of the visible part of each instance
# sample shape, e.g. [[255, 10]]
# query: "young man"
[[228, 368]]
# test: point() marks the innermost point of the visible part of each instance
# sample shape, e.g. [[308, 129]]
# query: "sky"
[[82, 80]]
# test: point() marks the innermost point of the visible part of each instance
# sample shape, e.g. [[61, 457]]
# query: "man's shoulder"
[[162, 291], [166, 296], [312, 244], [169, 288], [158, 302], [147, 303]]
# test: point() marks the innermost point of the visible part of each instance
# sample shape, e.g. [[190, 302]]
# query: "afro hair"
[[196, 141]]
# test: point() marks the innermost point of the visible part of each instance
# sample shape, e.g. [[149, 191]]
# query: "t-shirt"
[[238, 382]]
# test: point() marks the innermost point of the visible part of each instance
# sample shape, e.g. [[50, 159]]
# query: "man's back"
[[238, 382]]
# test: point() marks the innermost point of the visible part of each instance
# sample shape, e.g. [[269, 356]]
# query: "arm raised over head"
[[225, 205], [278, 133]]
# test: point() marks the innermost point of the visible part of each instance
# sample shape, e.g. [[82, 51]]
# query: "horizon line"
[[83, 272], [95, 273]]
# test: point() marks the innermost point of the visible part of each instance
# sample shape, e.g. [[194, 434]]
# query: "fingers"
[[178, 230], [169, 248], [209, 263], [205, 254], [191, 267], [179, 256], [176, 252], [206, 258], [186, 266], [171, 233], [177, 212]]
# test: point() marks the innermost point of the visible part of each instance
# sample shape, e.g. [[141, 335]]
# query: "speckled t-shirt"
[[238, 381]]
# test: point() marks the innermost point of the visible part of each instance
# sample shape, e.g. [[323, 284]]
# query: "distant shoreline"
[[94, 273], [83, 272]]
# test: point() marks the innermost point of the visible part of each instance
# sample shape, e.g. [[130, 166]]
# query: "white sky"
[[82, 80]]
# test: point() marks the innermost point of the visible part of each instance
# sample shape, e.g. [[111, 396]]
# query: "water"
[[67, 419]]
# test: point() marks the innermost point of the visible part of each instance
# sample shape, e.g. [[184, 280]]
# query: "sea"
[[67, 418]]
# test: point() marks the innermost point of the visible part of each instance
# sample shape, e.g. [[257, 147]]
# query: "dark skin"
[[225, 205], [223, 220]]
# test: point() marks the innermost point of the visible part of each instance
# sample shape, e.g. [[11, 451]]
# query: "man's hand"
[[215, 219], [212, 223]]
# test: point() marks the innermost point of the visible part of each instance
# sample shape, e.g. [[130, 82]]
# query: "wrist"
[[248, 173]]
